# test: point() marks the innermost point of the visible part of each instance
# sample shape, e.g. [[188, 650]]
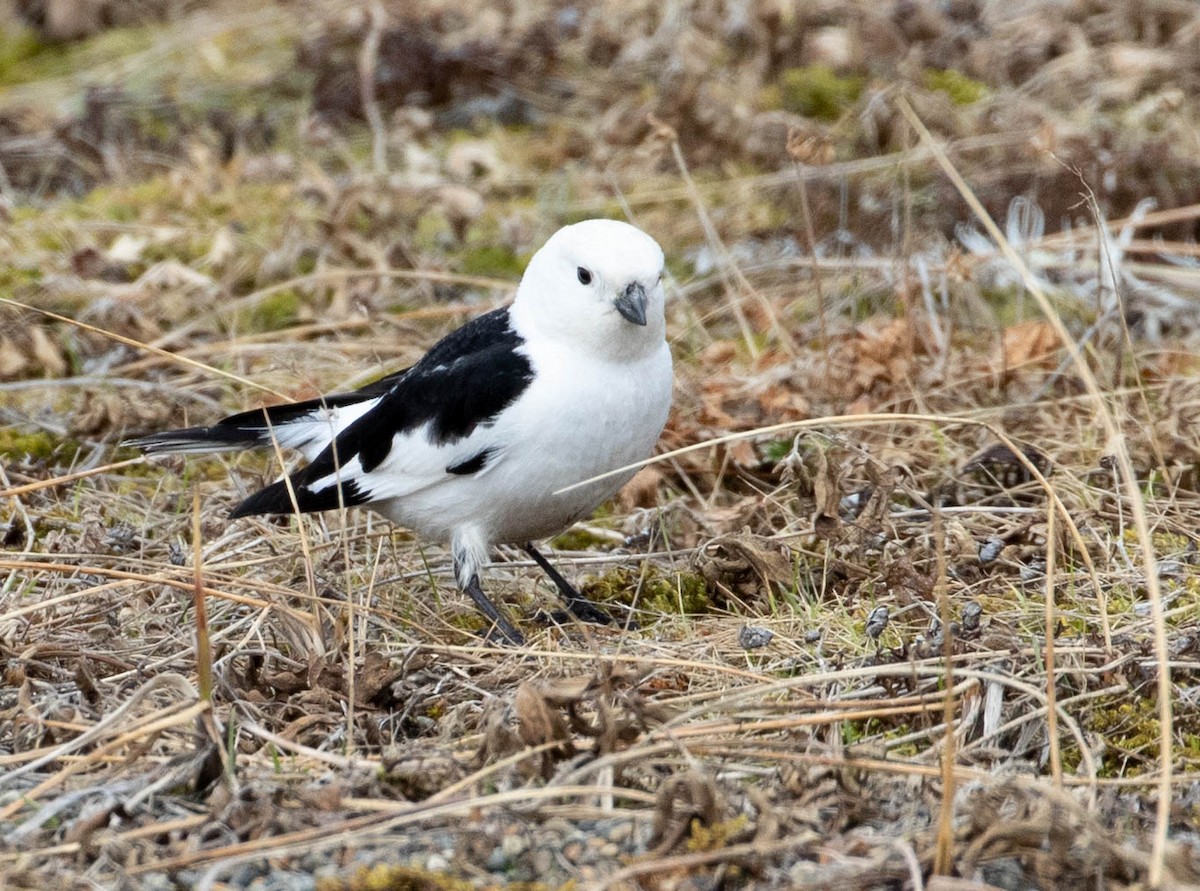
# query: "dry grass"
[[914, 577]]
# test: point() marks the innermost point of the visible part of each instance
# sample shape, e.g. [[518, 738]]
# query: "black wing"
[[463, 382], [252, 428]]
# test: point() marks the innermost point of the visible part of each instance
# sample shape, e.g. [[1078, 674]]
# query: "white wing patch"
[[312, 434], [412, 464]]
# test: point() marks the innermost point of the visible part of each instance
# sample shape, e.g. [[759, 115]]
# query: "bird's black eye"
[[585, 277]]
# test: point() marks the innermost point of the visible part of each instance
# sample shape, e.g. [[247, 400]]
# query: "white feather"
[[310, 435]]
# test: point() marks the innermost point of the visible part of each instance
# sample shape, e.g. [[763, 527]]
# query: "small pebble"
[[245, 874], [877, 621], [513, 845], [990, 549], [1035, 569], [497, 861], [1170, 569], [971, 613], [620, 832], [290, 881], [751, 637]]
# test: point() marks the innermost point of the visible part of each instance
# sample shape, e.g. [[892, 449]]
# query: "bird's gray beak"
[[632, 303]]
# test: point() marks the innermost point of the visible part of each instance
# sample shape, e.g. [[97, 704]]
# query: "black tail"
[[221, 437], [252, 429]]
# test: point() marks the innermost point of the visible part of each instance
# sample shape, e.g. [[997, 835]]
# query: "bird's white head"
[[596, 286]]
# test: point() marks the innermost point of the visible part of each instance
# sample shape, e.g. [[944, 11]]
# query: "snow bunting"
[[472, 445]]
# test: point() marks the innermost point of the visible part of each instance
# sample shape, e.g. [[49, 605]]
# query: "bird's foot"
[[502, 631], [592, 616], [505, 635], [580, 607], [586, 611]]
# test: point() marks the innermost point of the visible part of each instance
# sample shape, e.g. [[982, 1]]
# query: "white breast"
[[580, 417]]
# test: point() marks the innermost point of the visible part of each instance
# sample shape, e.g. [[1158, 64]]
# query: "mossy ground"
[[339, 643], [651, 591], [815, 91]]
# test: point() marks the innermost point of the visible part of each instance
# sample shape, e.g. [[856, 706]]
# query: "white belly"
[[579, 418]]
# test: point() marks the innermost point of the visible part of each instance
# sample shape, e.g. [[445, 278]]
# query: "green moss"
[[853, 732], [1129, 727], [679, 268], [255, 208], [126, 203], [14, 278], [777, 449], [875, 729], [577, 539], [25, 58], [611, 210], [492, 261], [717, 836], [904, 750], [815, 91], [961, 89], [23, 55], [275, 311], [674, 593], [389, 877], [38, 446]]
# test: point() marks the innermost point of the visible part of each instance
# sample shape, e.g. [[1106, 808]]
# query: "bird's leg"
[[581, 608], [500, 625]]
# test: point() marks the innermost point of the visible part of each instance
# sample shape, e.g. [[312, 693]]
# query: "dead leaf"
[[860, 406], [744, 565], [47, 354], [712, 408], [28, 346], [641, 491], [171, 275], [682, 799], [13, 360], [780, 402], [461, 206], [880, 354], [827, 492], [561, 692], [222, 250], [82, 830], [719, 353], [102, 412], [419, 775], [952, 883], [1027, 343], [741, 452], [538, 722], [72, 19], [375, 677], [325, 797]]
